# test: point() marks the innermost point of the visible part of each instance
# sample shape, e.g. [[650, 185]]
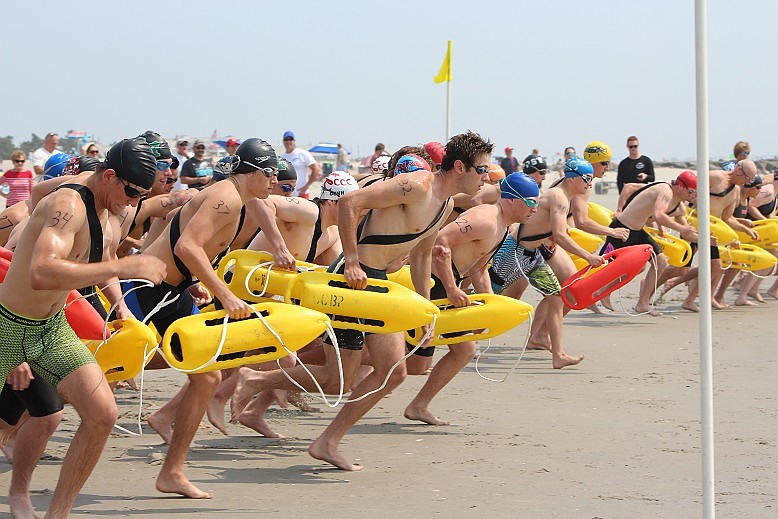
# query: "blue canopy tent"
[[327, 148]]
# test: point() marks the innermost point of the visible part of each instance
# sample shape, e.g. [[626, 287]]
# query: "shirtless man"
[[405, 215], [197, 234], [524, 255], [462, 251], [309, 230], [653, 202], [62, 248]]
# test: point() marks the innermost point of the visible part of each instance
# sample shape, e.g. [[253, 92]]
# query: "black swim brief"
[[640, 237], [40, 399]]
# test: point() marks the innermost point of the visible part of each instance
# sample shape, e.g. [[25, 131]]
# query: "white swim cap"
[[336, 185]]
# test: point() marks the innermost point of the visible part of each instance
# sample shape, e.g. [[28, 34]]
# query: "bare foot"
[[245, 390], [298, 400], [21, 506], [717, 305], [170, 484], [215, 412], [280, 396], [594, 308], [691, 307], [756, 296], [648, 310], [606, 302], [164, 429], [423, 415], [772, 294], [744, 302], [566, 360], [133, 384], [203, 425], [258, 424], [321, 451]]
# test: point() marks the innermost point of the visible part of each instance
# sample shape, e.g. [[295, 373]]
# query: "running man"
[[462, 252], [405, 213], [62, 248]]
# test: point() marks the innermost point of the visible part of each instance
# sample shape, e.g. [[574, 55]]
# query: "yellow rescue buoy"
[[191, 343], [747, 257], [677, 250], [383, 307], [579, 262], [403, 277], [600, 214], [122, 356], [587, 241], [766, 229], [723, 232], [239, 271], [488, 316]]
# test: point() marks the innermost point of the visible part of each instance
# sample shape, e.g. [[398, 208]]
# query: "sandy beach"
[[614, 437]]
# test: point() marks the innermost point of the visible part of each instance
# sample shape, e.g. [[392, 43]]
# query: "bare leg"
[[33, 435], [253, 415], [647, 287], [385, 351], [554, 320], [162, 419], [251, 382], [458, 356], [190, 411], [726, 281], [87, 390], [215, 411]]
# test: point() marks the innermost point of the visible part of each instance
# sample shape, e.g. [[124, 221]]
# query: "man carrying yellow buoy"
[[462, 251], [405, 213]]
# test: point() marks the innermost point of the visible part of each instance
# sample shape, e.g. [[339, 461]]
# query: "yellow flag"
[[444, 74]]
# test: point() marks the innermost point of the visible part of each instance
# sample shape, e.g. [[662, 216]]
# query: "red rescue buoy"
[[587, 286], [84, 319], [6, 254]]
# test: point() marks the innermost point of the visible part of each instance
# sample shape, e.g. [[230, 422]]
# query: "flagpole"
[[448, 110], [703, 219]]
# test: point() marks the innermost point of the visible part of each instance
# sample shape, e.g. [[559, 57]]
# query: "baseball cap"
[[288, 135], [182, 142], [508, 148], [233, 142]]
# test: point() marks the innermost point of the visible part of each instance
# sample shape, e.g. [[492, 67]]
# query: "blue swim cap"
[[55, 165], [517, 185], [576, 166]]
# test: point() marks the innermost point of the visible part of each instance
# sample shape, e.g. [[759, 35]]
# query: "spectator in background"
[[41, 155], [232, 145], [308, 170], [741, 152], [16, 184], [509, 164], [182, 156], [380, 150], [198, 170], [569, 153], [90, 150], [341, 163], [636, 168]]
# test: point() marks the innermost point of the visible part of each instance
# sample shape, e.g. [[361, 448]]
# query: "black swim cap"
[[134, 161], [255, 154], [533, 164], [175, 163], [79, 164], [159, 146], [286, 170]]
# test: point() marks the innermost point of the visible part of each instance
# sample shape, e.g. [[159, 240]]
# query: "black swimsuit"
[[395, 239], [317, 232]]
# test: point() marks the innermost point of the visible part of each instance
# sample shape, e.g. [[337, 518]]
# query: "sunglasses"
[[605, 163], [199, 148], [746, 153], [163, 166], [93, 152], [588, 178], [170, 180], [529, 202], [287, 188], [484, 168], [18, 161], [632, 146], [131, 192]]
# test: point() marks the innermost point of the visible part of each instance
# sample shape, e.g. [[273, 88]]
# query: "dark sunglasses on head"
[[482, 169], [18, 161], [131, 192], [605, 163], [287, 188]]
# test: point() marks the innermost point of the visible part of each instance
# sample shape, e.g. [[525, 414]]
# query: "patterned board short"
[[512, 262]]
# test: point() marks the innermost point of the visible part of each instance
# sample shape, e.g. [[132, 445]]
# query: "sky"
[[527, 74]]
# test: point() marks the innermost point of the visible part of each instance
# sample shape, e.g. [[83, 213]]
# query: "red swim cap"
[[688, 179], [436, 151]]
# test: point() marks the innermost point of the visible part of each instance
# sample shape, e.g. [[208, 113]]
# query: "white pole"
[[448, 110], [703, 209]]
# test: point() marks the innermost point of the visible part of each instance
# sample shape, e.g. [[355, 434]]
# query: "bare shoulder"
[[62, 209]]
